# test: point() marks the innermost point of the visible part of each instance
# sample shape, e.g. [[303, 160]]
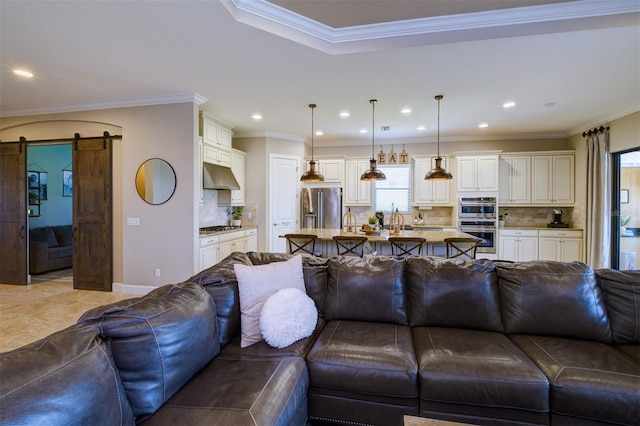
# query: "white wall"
[[168, 235]]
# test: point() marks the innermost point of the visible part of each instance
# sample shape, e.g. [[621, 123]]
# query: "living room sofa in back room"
[[275, 339]]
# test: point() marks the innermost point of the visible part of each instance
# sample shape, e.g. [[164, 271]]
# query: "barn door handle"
[[21, 232], [75, 229]]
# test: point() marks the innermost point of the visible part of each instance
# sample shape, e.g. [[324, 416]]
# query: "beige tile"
[[29, 313]]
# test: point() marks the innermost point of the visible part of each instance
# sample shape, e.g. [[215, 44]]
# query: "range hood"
[[218, 177]]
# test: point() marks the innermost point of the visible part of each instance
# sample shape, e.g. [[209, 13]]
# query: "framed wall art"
[[67, 183]]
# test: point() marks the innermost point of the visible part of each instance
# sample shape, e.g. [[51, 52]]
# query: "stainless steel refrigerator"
[[321, 208]]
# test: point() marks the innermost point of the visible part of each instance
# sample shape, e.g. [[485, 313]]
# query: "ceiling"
[[568, 65]]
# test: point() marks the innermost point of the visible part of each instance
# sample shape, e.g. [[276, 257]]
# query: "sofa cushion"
[[221, 284], [43, 235], [67, 378], [590, 381], [314, 270], [64, 234], [453, 293], [553, 299], [471, 368], [621, 292], [366, 358], [60, 252], [241, 391], [371, 289], [256, 284], [158, 341]]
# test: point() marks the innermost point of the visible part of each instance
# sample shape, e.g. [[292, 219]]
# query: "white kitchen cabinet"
[[518, 245], [429, 192], [357, 192], [515, 179], [235, 197], [553, 179], [216, 137], [331, 168], [563, 246], [243, 241], [251, 240], [209, 251], [477, 173]]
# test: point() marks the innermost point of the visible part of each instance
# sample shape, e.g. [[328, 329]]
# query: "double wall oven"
[[477, 216]]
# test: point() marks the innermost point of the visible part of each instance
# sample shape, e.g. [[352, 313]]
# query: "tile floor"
[[48, 304]]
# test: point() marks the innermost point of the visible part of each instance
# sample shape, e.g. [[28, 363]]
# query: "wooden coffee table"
[[423, 421]]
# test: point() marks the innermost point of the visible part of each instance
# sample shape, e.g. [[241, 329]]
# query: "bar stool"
[[406, 246], [350, 245], [461, 247], [305, 243]]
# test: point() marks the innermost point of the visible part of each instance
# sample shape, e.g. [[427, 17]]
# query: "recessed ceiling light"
[[345, 114], [483, 125], [256, 117], [422, 128], [406, 110], [23, 73], [509, 104], [319, 133], [363, 131]]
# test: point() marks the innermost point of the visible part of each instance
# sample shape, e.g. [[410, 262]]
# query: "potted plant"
[[624, 221], [236, 216], [373, 221], [502, 217]]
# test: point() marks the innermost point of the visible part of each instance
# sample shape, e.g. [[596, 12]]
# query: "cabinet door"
[[428, 192], [332, 170], [508, 249], [563, 179], [548, 248], [487, 169], [234, 197], [226, 249], [209, 256], [210, 131], [527, 249], [505, 171], [520, 180], [358, 192], [542, 179], [225, 136], [252, 243], [467, 174], [571, 249]]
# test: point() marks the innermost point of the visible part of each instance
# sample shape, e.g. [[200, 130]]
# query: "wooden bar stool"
[[305, 243], [350, 245], [406, 246], [461, 247]]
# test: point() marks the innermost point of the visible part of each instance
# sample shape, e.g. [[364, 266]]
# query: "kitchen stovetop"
[[208, 230]]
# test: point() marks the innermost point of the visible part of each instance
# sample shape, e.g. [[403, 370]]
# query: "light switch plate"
[[133, 221]]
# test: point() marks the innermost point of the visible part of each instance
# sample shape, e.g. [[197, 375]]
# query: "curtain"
[[598, 209]]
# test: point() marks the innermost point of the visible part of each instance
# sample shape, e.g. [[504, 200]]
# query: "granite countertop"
[[430, 236], [210, 233]]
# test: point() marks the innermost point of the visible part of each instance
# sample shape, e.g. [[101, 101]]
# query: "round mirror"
[[155, 181]]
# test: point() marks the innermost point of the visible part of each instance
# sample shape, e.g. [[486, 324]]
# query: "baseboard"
[[139, 290]]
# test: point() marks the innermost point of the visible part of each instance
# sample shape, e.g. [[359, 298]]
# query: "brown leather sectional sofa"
[[476, 342]]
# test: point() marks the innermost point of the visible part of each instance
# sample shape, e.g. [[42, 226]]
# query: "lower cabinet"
[[209, 251], [518, 245], [563, 246], [214, 248]]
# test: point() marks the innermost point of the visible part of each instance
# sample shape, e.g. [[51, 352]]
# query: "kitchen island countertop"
[[430, 236]]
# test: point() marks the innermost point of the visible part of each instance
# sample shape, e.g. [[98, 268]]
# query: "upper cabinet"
[[331, 168], [216, 138], [357, 192], [515, 179], [429, 192], [553, 179], [477, 173], [234, 197]]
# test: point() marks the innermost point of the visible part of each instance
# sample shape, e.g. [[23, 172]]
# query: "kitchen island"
[[326, 247]]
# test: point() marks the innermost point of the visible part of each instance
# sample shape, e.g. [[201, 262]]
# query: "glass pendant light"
[[373, 173], [312, 175], [438, 173]]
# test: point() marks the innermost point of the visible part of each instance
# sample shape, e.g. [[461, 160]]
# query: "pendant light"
[[438, 173], [373, 173], [312, 175]]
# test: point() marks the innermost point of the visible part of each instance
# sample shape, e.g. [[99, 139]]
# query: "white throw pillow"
[[256, 284], [288, 316]]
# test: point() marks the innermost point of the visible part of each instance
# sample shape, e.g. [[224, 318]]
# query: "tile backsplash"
[[535, 217], [211, 214]]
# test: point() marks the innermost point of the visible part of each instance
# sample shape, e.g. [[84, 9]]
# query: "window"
[[395, 191]]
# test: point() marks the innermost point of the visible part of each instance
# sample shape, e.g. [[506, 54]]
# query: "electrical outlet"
[[157, 273]]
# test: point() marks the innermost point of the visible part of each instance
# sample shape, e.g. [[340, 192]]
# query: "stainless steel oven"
[[477, 208], [485, 229]]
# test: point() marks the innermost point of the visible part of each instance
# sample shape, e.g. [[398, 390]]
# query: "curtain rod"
[[70, 140], [595, 131]]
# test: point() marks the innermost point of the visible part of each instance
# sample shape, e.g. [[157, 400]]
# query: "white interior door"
[[283, 199]]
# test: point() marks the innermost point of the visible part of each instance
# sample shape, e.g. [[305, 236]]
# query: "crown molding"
[[290, 25], [602, 120], [269, 134], [177, 98]]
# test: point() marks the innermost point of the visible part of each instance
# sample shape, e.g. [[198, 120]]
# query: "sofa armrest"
[[38, 257]]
